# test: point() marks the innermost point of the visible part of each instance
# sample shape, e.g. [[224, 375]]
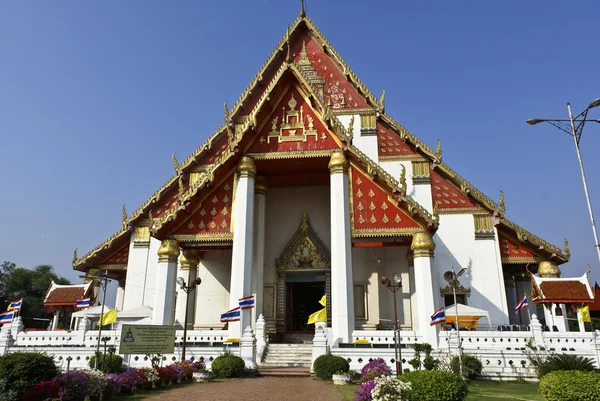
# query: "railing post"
[[261, 340], [536, 331], [247, 348], [319, 346]]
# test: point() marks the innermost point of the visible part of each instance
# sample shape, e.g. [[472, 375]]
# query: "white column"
[[137, 268], [188, 269], [423, 246], [342, 302], [164, 293], [260, 190], [120, 295], [243, 243]]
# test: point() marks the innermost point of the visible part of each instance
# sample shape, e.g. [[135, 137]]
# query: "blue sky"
[[96, 96]]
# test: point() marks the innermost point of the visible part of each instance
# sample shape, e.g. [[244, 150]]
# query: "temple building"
[[311, 188]]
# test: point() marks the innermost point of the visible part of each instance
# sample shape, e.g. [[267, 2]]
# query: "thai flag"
[[438, 317], [83, 303], [247, 302], [6, 317], [521, 305], [16, 305], [231, 315]]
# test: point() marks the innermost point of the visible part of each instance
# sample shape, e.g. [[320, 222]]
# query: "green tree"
[[29, 284]]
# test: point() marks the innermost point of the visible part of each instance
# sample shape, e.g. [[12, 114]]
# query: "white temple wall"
[[457, 247], [421, 192], [285, 208], [365, 142], [369, 265], [212, 297], [141, 275]]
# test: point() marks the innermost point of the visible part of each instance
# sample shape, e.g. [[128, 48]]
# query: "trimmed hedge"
[[570, 385], [435, 385], [472, 366], [556, 362], [326, 365], [107, 363], [21, 370], [228, 365]]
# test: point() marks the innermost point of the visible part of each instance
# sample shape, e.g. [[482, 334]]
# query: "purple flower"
[[364, 392], [113, 383], [74, 385], [129, 379], [378, 363]]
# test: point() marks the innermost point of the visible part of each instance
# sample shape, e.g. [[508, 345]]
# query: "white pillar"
[[342, 302], [188, 269], [243, 243], [260, 189], [120, 295], [55, 319], [164, 293], [423, 246]]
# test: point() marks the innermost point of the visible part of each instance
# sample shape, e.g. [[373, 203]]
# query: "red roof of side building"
[[596, 305], [562, 290], [66, 295]]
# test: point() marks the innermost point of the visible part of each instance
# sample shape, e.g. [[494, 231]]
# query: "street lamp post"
[[454, 277], [574, 127], [103, 280], [394, 287], [187, 289]]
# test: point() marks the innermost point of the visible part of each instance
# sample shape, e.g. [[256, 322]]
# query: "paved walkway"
[[255, 389]]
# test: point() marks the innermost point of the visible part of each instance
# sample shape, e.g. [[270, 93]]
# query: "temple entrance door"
[[303, 293]]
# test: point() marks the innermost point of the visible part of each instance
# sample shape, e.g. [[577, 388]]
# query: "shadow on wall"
[[476, 299]]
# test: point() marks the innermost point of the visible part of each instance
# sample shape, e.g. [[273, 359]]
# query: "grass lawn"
[[480, 390]]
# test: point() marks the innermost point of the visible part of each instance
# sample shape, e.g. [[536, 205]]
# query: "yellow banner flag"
[[323, 300], [108, 318], [319, 316], [584, 314]]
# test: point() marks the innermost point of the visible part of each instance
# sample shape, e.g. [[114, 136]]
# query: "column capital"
[[338, 162], [189, 259], [260, 185], [548, 268], [422, 244], [168, 251], [246, 167]]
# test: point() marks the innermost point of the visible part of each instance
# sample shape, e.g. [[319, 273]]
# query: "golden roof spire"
[[381, 105], [175, 163], [502, 205], [438, 151], [74, 257], [566, 247], [302, 12], [351, 129], [124, 218], [402, 178]]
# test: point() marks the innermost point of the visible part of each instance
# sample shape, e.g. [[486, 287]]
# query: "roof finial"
[[402, 178], [74, 257], [124, 218], [302, 12], [381, 102], [502, 204], [566, 247], [175, 163], [438, 151]]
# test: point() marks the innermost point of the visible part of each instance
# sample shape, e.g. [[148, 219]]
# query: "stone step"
[[288, 360], [284, 371], [289, 354]]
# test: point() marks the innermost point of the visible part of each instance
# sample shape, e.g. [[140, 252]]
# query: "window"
[[360, 301], [460, 298]]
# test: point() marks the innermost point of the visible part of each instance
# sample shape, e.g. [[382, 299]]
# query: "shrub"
[[107, 363], [164, 374], [42, 391], [228, 365], [472, 366], [378, 364], [21, 370], [570, 385], [435, 385], [365, 390], [74, 385], [326, 365], [97, 383], [390, 388], [555, 362], [129, 380], [113, 384]]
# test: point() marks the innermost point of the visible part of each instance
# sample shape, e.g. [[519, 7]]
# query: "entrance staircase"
[[286, 360]]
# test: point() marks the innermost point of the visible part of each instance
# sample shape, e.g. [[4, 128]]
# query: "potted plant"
[[201, 374], [341, 377]]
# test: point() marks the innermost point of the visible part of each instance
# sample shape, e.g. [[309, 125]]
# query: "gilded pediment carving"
[[304, 251]]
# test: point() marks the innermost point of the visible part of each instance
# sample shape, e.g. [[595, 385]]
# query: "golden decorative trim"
[[368, 122], [520, 260], [421, 171], [260, 185], [460, 289], [216, 237], [246, 167], [383, 232], [338, 163], [141, 234], [168, 251], [348, 112], [484, 226], [524, 235], [422, 244], [401, 158], [189, 259], [548, 269], [304, 251], [113, 267], [464, 210], [300, 154]]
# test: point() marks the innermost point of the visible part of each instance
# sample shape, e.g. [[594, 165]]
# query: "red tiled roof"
[[565, 291], [65, 295], [596, 305]]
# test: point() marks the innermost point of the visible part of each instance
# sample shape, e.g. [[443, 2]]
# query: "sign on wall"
[[147, 339]]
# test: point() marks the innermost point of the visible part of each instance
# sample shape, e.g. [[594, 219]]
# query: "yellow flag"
[[319, 316], [584, 313], [108, 317], [323, 300]]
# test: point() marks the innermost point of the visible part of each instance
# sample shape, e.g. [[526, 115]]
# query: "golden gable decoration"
[[304, 251]]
